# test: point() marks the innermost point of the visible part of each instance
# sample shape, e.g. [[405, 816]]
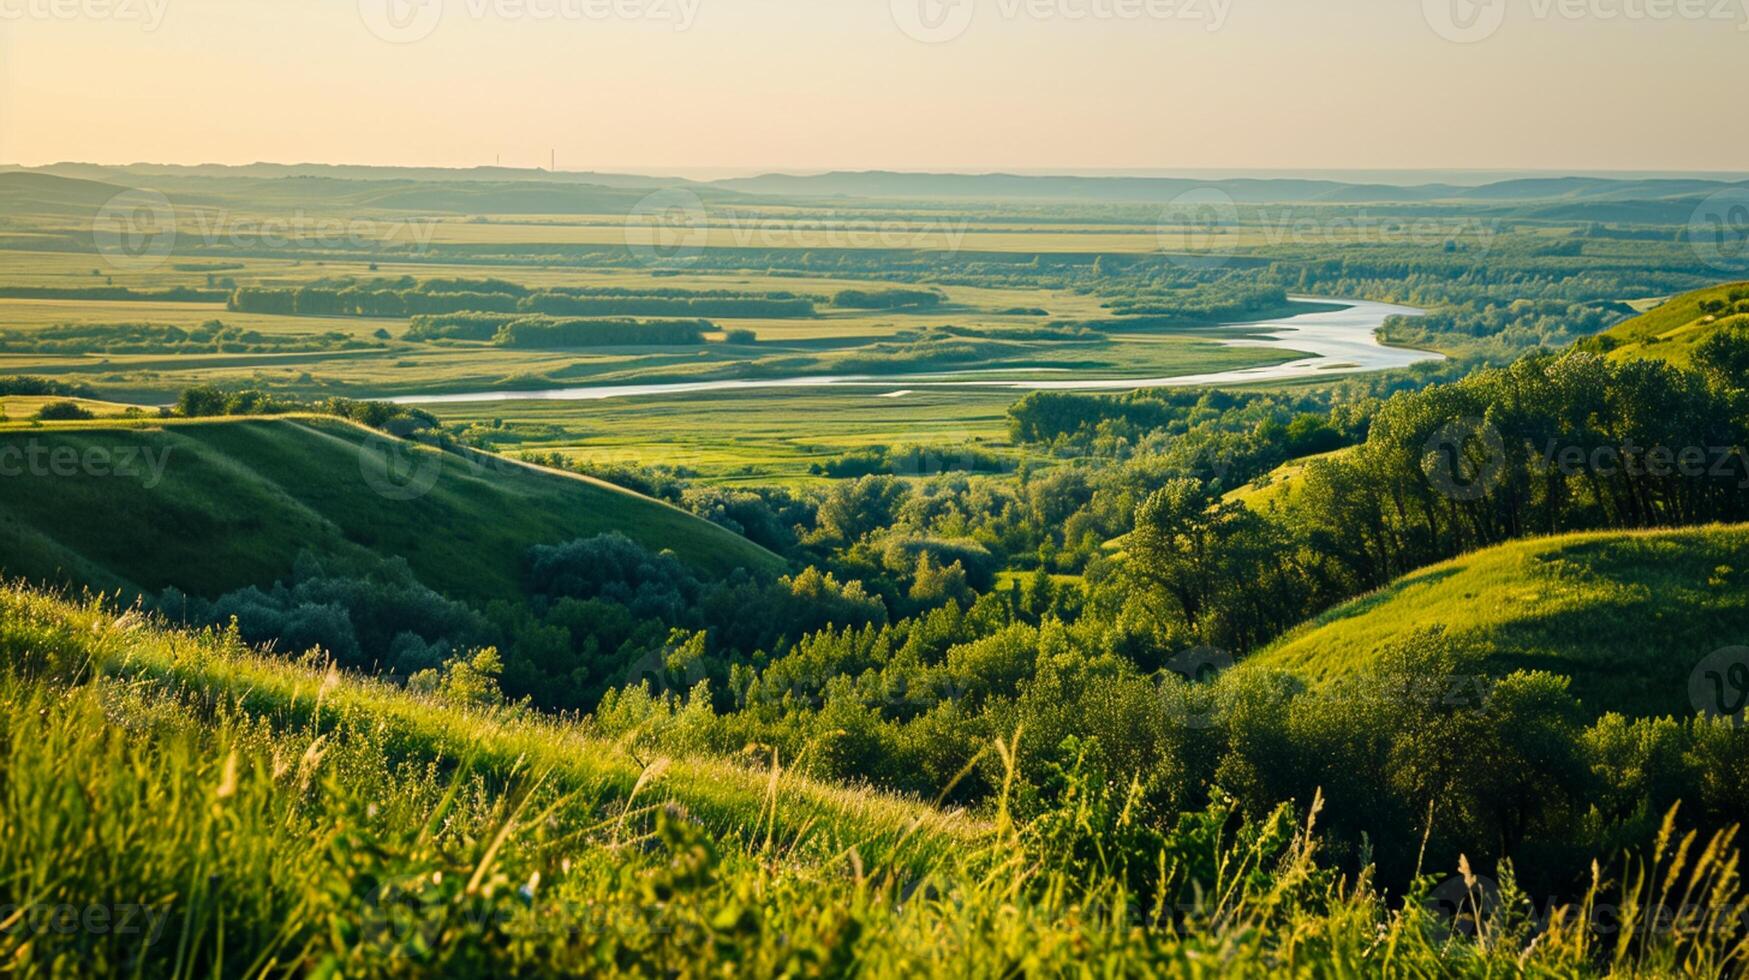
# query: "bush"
[[63, 412], [887, 299]]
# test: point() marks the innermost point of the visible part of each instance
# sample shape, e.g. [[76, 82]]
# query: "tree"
[[201, 401]]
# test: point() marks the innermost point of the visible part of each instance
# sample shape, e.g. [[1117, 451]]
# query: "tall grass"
[[175, 805]]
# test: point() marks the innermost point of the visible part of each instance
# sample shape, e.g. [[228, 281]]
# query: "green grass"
[[1279, 488], [176, 805], [1672, 330], [762, 436], [217, 505], [1629, 616]]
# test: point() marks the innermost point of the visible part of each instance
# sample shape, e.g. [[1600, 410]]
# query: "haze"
[[806, 84]]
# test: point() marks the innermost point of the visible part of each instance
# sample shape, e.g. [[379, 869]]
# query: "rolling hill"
[[24, 193], [213, 506], [1629, 616], [1672, 331]]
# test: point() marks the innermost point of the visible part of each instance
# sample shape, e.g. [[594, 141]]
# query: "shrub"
[[63, 412]]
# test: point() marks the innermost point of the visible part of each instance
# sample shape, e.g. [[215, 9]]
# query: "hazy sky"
[[902, 84]]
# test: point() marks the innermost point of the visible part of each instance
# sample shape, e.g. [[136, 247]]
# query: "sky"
[[690, 86]]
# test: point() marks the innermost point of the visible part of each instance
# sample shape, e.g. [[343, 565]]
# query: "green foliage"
[[63, 412], [16, 385], [520, 330], [578, 332], [210, 337], [443, 307], [886, 299], [469, 680], [1680, 329], [255, 813]]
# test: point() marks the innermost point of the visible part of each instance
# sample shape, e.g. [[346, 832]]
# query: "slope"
[[1629, 616], [213, 506], [1672, 331]]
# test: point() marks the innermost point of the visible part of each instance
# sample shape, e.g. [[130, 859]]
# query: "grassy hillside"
[[1628, 616], [214, 506], [215, 812], [1672, 330], [39, 193], [1279, 488]]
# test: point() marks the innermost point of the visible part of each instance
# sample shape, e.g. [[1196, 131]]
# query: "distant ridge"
[[888, 184], [507, 190]]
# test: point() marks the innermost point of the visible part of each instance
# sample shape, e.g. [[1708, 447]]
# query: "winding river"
[[1334, 341]]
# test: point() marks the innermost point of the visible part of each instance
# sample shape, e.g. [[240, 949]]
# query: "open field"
[[745, 437]]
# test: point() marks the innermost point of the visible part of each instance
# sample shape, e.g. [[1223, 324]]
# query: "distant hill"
[[277, 171], [82, 188], [237, 500], [1672, 330], [1629, 616], [996, 186], [508, 190], [25, 192]]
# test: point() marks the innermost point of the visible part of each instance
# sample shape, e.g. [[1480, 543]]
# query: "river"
[[1334, 341]]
